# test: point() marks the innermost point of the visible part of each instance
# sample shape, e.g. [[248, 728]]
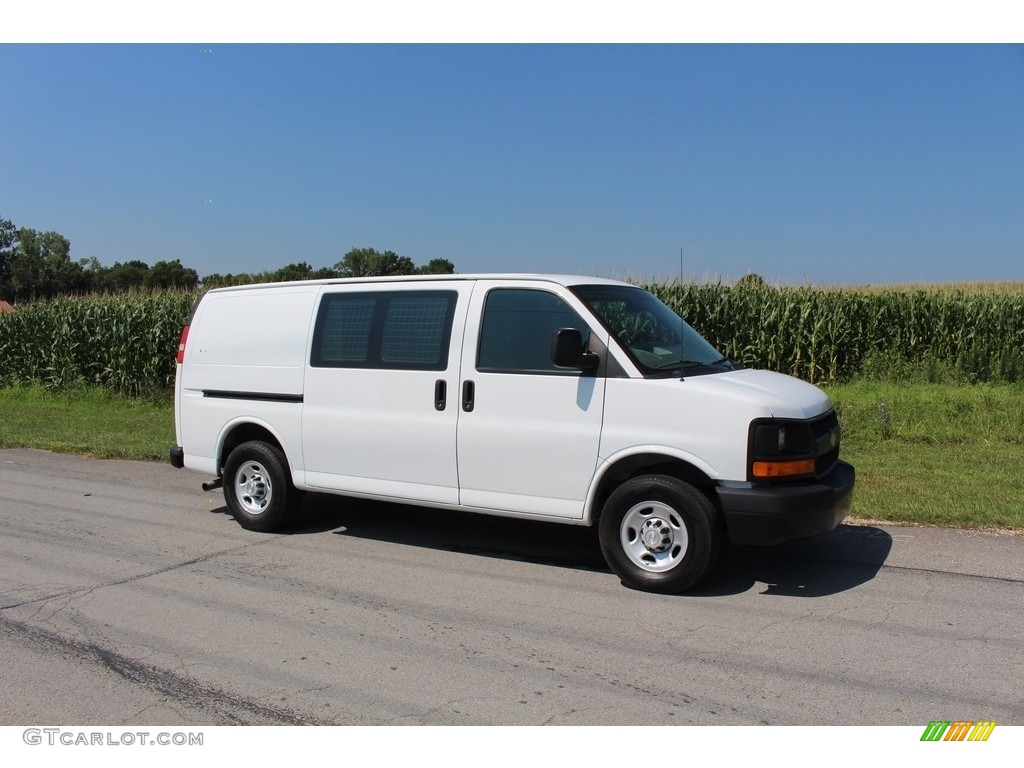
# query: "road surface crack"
[[223, 707], [75, 593]]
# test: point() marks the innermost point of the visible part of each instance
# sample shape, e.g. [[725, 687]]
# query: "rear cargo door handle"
[[468, 395], [440, 394]]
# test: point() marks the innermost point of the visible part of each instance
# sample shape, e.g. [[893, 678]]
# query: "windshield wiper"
[[680, 364], [726, 361]]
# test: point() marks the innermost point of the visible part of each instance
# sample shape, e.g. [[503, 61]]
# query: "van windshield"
[[659, 341]]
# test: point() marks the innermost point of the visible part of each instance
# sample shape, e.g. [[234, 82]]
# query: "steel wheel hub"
[[654, 536], [252, 487]]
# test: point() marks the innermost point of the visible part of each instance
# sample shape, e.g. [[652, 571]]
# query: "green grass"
[[87, 421], [927, 454], [935, 454]]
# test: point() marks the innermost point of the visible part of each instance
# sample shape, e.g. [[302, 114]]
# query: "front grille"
[[826, 443]]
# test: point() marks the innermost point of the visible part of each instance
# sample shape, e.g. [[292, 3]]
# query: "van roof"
[[565, 280]]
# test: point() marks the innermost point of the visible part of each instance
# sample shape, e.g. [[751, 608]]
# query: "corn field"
[[828, 335], [127, 343], [124, 343]]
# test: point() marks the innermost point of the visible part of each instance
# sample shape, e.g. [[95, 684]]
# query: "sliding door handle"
[[468, 395], [440, 394]]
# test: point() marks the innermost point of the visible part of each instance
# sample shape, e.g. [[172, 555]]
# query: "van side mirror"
[[567, 351]]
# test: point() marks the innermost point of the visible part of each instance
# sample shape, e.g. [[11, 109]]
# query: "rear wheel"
[[659, 534], [257, 487]]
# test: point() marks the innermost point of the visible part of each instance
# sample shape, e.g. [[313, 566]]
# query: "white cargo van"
[[558, 398]]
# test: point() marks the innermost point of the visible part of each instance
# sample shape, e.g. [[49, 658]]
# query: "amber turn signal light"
[[771, 469]]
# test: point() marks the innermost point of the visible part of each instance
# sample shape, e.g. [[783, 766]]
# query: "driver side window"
[[517, 327]]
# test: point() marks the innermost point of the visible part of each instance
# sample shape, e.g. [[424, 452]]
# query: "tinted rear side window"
[[408, 330], [416, 330], [343, 330]]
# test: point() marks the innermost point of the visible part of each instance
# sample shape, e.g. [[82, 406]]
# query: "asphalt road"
[[129, 596]]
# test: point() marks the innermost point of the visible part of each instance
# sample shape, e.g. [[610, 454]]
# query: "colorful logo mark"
[[958, 730]]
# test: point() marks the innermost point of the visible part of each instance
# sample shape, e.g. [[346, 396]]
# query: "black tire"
[[257, 487], [659, 534]]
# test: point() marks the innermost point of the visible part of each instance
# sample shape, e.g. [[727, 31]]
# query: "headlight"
[[780, 450]]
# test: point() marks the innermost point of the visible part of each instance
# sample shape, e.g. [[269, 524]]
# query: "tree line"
[[358, 262], [38, 265]]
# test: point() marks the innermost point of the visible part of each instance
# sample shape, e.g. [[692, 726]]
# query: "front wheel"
[[256, 486], [659, 534]]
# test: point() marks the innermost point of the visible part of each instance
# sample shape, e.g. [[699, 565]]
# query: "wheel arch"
[[242, 431], [646, 462]]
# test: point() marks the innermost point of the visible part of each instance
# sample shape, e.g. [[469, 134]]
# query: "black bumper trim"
[[783, 512], [177, 457]]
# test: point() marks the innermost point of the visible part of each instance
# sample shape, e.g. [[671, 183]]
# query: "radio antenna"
[[682, 324]]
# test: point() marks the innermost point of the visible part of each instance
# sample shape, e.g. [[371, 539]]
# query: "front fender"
[[608, 464]]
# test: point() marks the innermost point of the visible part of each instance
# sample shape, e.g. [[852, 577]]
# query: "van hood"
[[785, 396]]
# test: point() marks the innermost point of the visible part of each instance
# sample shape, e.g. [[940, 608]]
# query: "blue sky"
[[827, 164]]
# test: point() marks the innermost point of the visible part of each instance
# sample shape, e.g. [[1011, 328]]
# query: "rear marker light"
[[181, 345]]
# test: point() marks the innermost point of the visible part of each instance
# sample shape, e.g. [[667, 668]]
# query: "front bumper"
[[778, 513]]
